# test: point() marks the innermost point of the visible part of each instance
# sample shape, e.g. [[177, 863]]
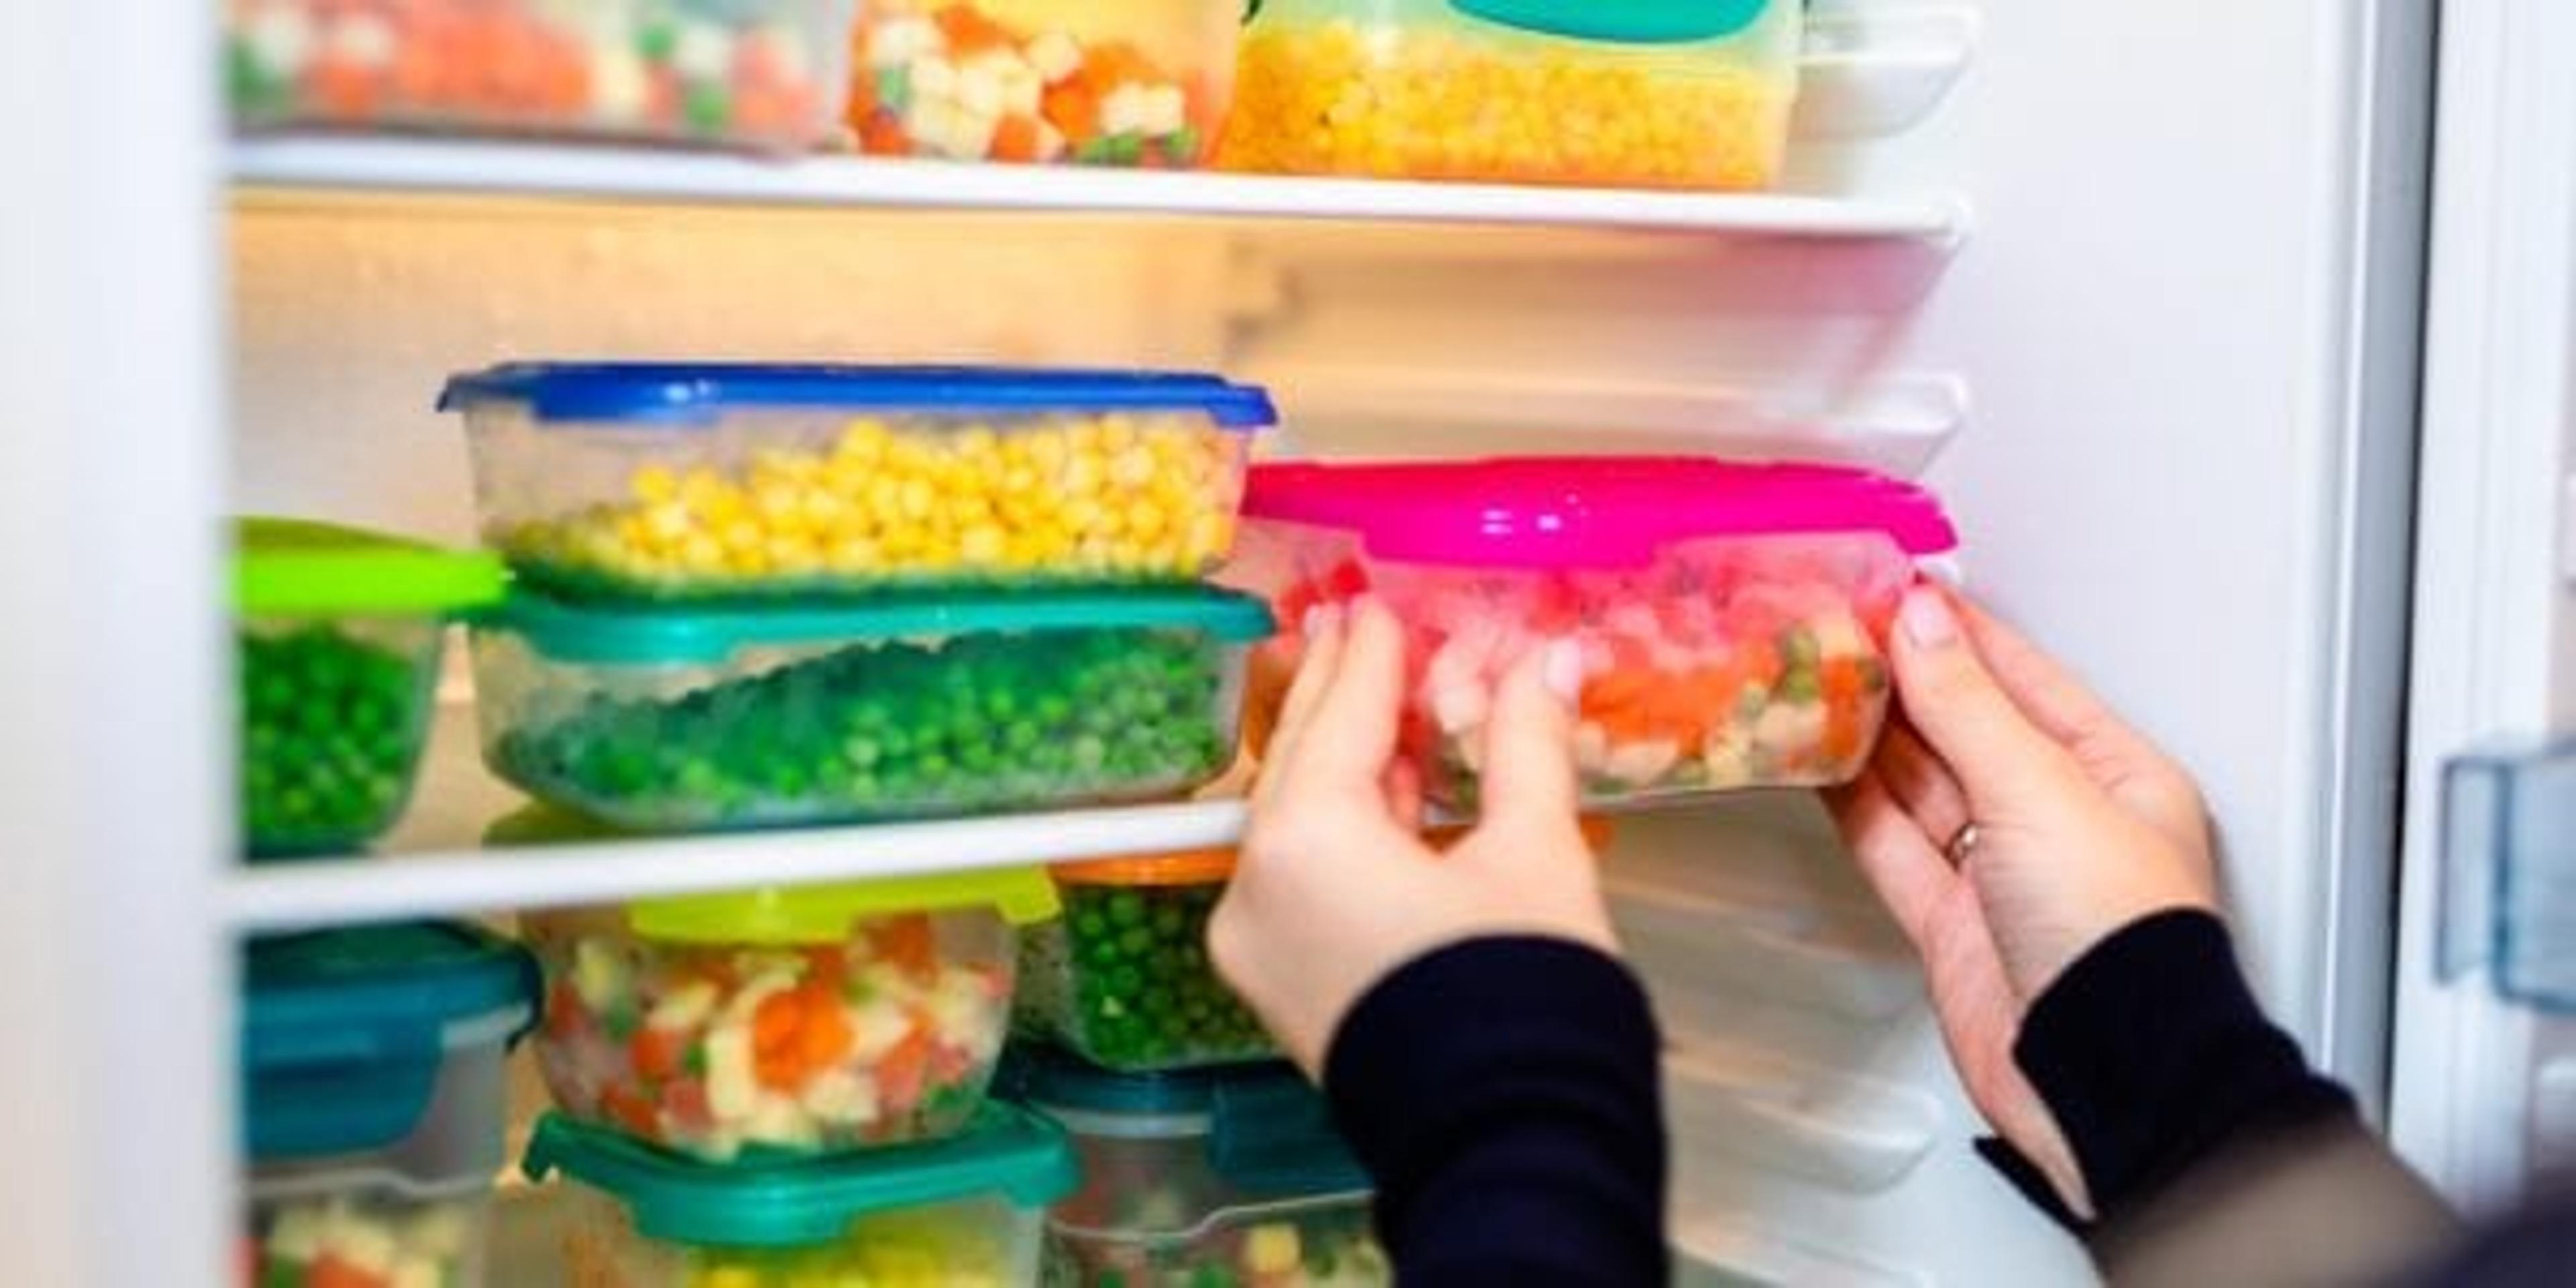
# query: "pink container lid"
[[1586, 512]]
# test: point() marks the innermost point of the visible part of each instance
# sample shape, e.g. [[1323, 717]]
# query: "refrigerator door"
[[2483, 1089]]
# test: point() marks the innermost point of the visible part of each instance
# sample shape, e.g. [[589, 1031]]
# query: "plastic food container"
[[338, 641], [758, 73], [960, 1213], [682, 482], [374, 1102], [1643, 93], [1730, 618], [955, 706], [1081, 82], [784, 1021], [1123, 978], [1218, 1177]]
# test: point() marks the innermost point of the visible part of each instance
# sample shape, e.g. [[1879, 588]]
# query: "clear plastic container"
[[1213, 1177], [960, 1213], [697, 482], [337, 637], [784, 1022], [764, 74], [1123, 977], [1730, 618], [1080, 82], [916, 709], [1637, 93], [374, 1102]]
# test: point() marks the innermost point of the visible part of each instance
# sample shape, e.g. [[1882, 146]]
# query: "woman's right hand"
[[2011, 822]]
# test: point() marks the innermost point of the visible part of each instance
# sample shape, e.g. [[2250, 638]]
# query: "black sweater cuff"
[[2152, 1055], [1505, 1095]]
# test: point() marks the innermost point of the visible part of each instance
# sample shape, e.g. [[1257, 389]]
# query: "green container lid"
[[677, 637], [1004, 1150], [1632, 22], [299, 568], [824, 914]]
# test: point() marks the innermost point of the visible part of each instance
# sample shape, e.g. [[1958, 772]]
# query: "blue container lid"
[[803, 1202], [344, 1031], [699, 394], [1269, 1131]]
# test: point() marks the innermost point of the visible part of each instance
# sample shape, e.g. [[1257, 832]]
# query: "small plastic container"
[[338, 638], [1615, 93], [642, 481], [1123, 977], [1136, 83], [960, 1213], [662, 721], [1231, 1176], [763, 74], [1730, 618], [374, 1102], [785, 1022]]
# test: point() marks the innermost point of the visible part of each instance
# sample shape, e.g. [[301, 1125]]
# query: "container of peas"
[[338, 634], [922, 707], [1123, 977]]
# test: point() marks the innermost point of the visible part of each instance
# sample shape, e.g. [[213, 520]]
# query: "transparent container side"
[[1138, 83], [760, 74], [729, 1051], [1123, 979], [977, 1242], [780, 503], [1421, 89], [1321, 1242], [334, 715], [921, 728], [1729, 664]]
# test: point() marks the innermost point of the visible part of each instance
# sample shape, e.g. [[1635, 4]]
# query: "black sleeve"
[[1505, 1095]]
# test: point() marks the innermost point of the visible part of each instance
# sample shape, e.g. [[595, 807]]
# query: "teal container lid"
[[344, 1031], [1631, 22], [601, 635], [1269, 1132], [800, 1203]]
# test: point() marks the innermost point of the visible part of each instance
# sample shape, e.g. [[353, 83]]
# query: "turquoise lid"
[[799, 1203], [1633, 22], [344, 1031], [1269, 1132], [674, 637]]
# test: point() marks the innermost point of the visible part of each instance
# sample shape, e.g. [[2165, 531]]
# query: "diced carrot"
[[1614, 690], [969, 32], [775, 1052], [883, 135], [828, 962], [345, 90], [1843, 732], [1074, 110], [862, 103], [903, 1070], [825, 1036], [1842, 679], [565, 1015], [630, 1111], [685, 1100], [907, 943], [331, 1272], [658, 1054], [1113, 63], [1016, 139]]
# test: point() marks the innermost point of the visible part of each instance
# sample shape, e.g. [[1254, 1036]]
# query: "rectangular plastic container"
[[374, 1102], [1730, 618], [1231, 1176], [1136, 83], [662, 721], [1614, 93], [784, 1022], [965, 1212], [338, 634], [1123, 977], [762, 74], [701, 482]]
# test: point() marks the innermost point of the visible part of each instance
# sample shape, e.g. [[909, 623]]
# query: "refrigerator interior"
[[2155, 342]]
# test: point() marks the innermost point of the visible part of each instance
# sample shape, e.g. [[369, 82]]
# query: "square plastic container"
[[930, 708], [1212, 1177], [643, 481], [1730, 618], [338, 634], [784, 1022], [1632, 93], [962, 1213], [1138, 83], [762, 74], [374, 1102], [1123, 978]]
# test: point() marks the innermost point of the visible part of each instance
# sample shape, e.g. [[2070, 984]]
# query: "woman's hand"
[[2011, 823], [1336, 888]]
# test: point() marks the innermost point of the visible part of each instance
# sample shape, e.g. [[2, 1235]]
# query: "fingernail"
[[1926, 619], [1562, 670]]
